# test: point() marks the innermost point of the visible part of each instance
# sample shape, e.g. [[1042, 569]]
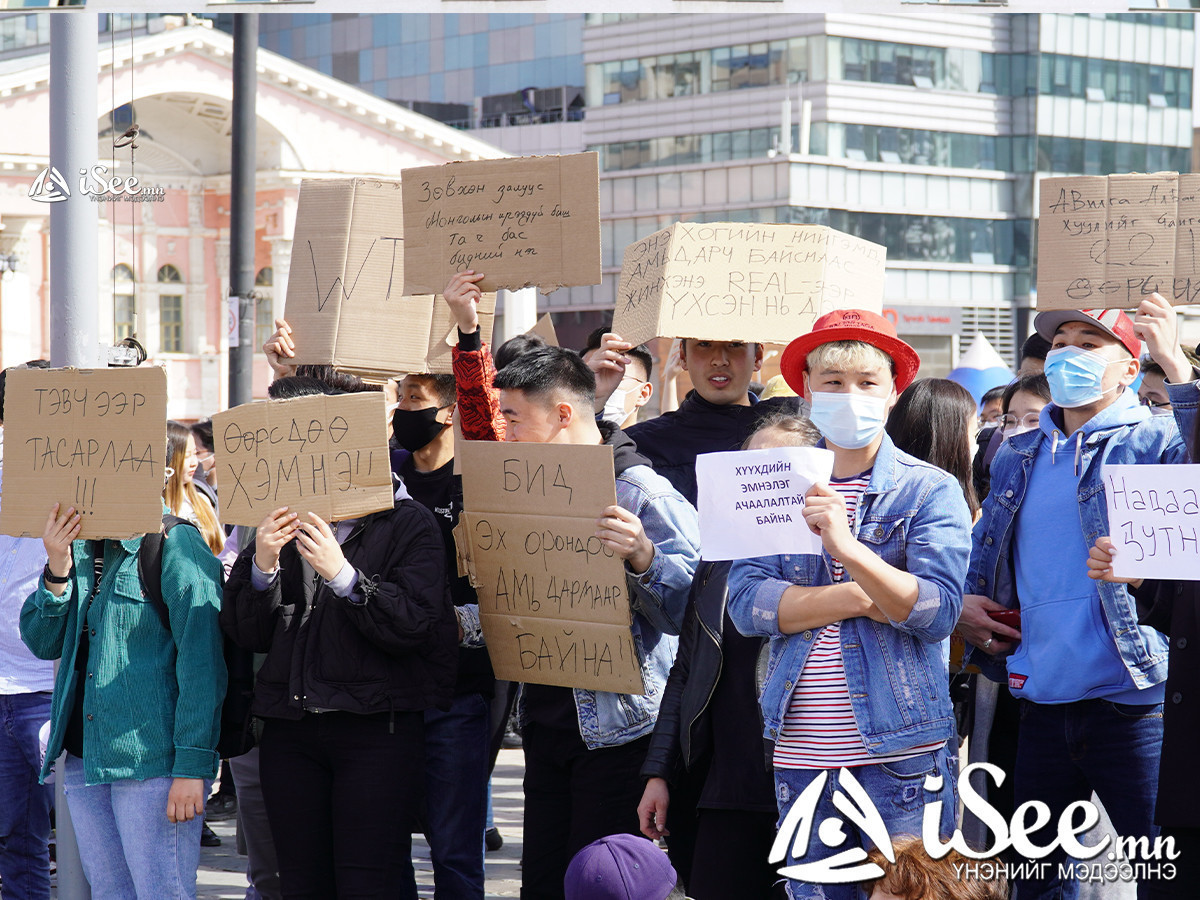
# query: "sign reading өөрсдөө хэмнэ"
[[327, 455]]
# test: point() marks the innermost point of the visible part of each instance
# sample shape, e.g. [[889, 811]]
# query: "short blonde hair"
[[846, 356]]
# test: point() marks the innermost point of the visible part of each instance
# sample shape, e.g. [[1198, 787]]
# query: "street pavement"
[[222, 871]]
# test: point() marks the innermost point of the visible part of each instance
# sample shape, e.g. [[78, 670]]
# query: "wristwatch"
[[50, 578]]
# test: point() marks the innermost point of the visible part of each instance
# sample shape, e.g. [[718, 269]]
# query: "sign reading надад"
[[1154, 520]]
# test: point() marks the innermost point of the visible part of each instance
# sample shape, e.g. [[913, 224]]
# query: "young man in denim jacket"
[[584, 749], [857, 677], [1089, 678]]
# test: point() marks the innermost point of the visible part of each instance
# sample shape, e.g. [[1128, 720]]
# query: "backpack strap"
[[150, 555]]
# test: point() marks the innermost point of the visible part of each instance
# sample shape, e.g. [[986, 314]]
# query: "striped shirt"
[[819, 730]]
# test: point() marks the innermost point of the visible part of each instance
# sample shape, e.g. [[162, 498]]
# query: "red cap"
[[1111, 321], [849, 325]]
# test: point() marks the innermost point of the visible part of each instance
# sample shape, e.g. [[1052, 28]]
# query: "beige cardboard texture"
[[345, 300], [743, 282], [1111, 241], [528, 220], [327, 455], [552, 597], [544, 328], [92, 439], [563, 653]]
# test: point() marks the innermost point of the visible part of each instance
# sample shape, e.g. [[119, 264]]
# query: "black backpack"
[[237, 725]]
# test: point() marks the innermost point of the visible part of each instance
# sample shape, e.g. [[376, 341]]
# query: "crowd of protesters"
[[964, 590]]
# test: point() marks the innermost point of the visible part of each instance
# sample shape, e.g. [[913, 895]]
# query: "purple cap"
[[620, 867]]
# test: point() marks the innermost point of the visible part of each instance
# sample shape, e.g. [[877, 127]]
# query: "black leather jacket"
[[683, 734]]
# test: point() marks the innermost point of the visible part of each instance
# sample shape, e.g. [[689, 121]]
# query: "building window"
[[124, 304], [264, 309], [170, 313]]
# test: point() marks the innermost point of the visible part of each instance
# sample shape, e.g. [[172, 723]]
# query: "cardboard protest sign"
[[544, 328], [327, 455], [553, 599], [743, 282], [750, 501], [1110, 241], [1154, 520], [92, 439], [528, 220], [345, 295]]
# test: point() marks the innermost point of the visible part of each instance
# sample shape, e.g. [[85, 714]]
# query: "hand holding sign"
[[1157, 324], [622, 532], [463, 296], [273, 533], [825, 512], [1100, 562], [60, 531]]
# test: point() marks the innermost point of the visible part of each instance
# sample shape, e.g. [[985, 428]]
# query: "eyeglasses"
[[1012, 423], [1155, 404]]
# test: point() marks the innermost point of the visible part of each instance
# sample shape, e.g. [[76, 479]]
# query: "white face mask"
[[618, 406], [850, 421]]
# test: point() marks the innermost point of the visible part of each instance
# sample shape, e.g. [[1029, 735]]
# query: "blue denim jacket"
[[913, 515], [1150, 440], [659, 597]]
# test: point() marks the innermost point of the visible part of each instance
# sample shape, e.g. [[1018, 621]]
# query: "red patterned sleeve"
[[478, 401]]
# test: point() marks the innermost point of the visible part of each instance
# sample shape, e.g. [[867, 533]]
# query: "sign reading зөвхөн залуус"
[[346, 300], [553, 599], [92, 439], [327, 455], [527, 220], [743, 282], [1109, 241]]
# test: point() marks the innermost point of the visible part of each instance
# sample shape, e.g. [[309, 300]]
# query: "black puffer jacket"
[[396, 652]]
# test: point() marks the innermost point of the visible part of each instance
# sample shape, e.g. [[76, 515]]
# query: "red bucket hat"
[[849, 325]]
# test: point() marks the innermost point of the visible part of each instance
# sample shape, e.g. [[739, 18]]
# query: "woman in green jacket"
[[137, 702]]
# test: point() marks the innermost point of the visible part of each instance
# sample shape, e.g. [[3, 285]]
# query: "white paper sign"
[[750, 501], [1154, 520]]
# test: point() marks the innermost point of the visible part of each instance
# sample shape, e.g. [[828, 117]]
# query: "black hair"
[[1035, 347], [292, 386], [342, 382], [202, 432], [992, 394], [929, 421], [642, 355], [548, 371], [32, 364], [516, 346], [1030, 384], [443, 386]]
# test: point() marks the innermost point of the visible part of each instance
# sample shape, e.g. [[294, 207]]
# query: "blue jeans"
[[24, 804], [129, 849], [895, 790], [1065, 751], [456, 783]]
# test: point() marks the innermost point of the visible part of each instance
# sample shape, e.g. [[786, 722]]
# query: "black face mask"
[[415, 428]]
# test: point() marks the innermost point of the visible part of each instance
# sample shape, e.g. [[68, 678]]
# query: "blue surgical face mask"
[[1075, 376], [850, 421]]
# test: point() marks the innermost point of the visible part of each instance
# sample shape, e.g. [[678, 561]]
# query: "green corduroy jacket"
[[152, 701]]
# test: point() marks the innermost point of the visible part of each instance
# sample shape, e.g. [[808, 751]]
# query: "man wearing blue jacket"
[[1089, 678], [856, 686], [583, 748]]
